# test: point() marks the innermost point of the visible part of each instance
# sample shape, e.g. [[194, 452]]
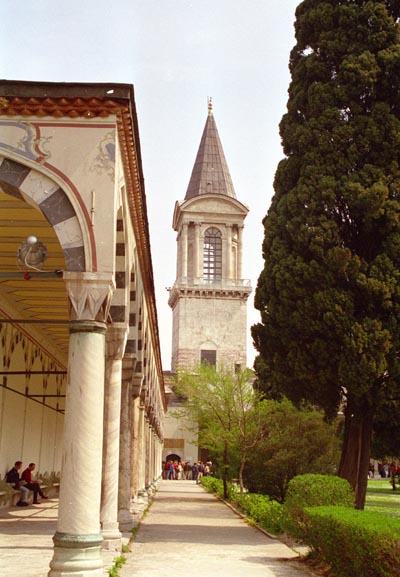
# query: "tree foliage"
[[294, 441], [329, 292], [386, 437], [225, 407]]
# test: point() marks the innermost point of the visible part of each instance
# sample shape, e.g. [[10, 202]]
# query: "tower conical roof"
[[210, 173]]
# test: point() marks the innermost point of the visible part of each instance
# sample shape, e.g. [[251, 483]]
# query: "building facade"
[[82, 388]]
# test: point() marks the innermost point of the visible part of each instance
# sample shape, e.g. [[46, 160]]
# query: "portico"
[[82, 328]]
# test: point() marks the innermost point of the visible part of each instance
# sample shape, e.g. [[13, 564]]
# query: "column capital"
[[128, 368], [89, 294], [137, 383], [116, 337]]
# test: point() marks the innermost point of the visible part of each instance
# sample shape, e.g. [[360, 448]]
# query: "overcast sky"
[[176, 53]]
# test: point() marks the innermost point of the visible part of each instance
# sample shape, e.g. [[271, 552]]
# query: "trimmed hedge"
[[320, 510], [259, 508], [354, 542], [214, 485], [313, 491]]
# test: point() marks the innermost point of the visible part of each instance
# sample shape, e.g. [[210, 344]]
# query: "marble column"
[[240, 253], [184, 234], [228, 251], [135, 402], [125, 518], [141, 450], [151, 454], [196, 251], [77, 541], [115, 346], [146, 451]]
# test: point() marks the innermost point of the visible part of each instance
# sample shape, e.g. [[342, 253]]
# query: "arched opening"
[[34, 317], [173, 457], [212, 255], [29, 186]]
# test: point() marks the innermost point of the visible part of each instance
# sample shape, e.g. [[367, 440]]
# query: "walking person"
[[194, 472], [171, 471], [200, 472]]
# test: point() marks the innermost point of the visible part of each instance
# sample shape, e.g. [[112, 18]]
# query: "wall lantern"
[[32, 253]]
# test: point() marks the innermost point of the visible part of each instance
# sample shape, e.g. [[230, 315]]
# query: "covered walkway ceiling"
[[41, 298]]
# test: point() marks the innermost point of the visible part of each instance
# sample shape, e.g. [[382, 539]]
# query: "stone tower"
[[209, 296]]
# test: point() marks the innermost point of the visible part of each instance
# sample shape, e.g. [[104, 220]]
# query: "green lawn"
[[382, 498]]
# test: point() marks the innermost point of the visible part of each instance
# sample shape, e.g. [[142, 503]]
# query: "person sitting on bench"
[[32, 485], [18, 484]]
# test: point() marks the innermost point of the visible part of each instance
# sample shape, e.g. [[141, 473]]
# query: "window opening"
[[212, 255], [209, 357]]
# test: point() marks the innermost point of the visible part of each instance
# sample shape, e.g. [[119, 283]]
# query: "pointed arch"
[[41, 192]]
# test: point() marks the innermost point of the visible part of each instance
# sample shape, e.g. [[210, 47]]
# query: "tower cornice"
[[194, 208]]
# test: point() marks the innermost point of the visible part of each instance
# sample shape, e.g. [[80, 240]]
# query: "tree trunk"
[[242, 465], [225, 470], [354, 461]]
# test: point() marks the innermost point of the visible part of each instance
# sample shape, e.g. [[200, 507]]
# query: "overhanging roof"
[[18, 220]]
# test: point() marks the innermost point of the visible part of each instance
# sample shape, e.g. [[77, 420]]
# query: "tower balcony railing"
[[213, 282]]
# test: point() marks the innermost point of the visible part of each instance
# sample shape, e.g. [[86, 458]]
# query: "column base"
[[126, 520], [112, 538], [76, 556]]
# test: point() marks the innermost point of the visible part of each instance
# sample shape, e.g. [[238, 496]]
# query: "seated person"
[[18, 484], [32, 485]]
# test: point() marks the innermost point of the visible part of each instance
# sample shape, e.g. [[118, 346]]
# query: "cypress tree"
[[329, 293]]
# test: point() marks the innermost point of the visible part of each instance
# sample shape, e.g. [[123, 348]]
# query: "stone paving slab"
[[188, 530], [185, 528], [26, 545]]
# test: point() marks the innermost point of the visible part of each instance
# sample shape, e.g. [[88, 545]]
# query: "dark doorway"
[[173, 457]]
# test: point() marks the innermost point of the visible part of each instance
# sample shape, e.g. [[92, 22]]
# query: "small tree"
[[294, 442], [226, 408]]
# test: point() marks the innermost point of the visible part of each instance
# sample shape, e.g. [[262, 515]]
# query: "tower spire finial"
[[210, 106]]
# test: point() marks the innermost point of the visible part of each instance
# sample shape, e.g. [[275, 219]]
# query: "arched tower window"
[[212, 255]]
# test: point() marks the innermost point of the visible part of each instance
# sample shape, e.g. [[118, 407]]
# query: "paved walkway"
[[189, 531], [186, 529], [26, 545]]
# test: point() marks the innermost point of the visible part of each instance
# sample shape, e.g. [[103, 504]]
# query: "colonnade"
[[192, 235], [112, 437]]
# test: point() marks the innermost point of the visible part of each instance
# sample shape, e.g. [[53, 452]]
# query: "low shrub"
[[213, 485], [259, 508], [313, 491], [354, 542]]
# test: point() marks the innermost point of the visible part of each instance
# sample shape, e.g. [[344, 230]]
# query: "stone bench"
[[9, 496]]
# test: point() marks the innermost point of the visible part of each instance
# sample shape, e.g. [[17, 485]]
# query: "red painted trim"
[[74, 124]]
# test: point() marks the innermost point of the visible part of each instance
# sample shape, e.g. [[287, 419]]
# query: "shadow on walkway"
[[26, 544], [188, 530]]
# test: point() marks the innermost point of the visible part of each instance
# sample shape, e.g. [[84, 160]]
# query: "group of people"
[[388, 470], [385, 470], [181, 470], [25, 483]]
